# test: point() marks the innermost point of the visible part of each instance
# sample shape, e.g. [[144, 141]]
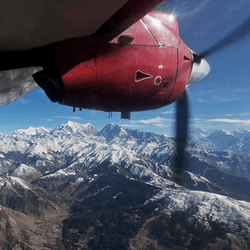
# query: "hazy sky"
[[221, 100]]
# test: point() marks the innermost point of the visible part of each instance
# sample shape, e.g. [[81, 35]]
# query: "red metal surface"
[[149, 72], [168, 19], [77, 86], [164, 35], [183, 72], [141, 35]]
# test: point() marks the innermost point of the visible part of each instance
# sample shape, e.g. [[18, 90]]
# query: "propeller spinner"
[[200, 69]]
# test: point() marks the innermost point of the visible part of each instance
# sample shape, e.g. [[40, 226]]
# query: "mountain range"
[[74, 187]]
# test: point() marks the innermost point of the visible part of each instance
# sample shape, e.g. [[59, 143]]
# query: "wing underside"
[[31, 24], [16, 83]]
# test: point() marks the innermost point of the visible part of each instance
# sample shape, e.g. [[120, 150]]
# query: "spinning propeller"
[[200, 69]]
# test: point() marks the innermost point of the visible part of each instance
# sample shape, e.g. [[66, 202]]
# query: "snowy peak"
[[32, 139], [68, 128], [113, 130], [222, 139], [74, 127], [237, 141], [241, 134], [218, 134], [26, 173], [31, 131], [221, 132]]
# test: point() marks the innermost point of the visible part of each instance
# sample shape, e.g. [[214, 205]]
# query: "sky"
[[221, 100]]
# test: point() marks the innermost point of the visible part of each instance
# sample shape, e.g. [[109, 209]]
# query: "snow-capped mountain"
[[73, 127], [237, 141], [26, 173], [115, 189]]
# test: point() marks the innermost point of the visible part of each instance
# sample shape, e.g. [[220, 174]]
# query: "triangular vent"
[[186, 58], [141, 76]]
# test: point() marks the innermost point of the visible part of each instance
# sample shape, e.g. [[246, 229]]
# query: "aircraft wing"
[[31, 24], [16, 83]]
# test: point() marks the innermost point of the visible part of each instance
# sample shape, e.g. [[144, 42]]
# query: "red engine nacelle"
[[145, 67]]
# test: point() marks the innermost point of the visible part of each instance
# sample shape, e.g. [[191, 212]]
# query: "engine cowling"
[[146, 67]]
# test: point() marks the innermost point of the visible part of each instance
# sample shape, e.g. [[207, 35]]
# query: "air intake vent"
[[186, 58], [141, 76]]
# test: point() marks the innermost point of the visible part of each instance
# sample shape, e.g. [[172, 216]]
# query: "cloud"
[[199, 100], [68, 117], [169, 112], [49, 120], [196, 120], [237, 115], [152, 120], [132, 126], [231, 121], [214, 98], [156, 120], [223, 99], [160, 125], [24, 101], [157, 125], [244, 114]]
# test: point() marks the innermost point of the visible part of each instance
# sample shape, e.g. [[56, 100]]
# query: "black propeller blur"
[[236, 35], [182, 113], [182, 107]]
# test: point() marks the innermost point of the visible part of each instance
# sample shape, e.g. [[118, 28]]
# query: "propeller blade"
[[182, 111], [236, 35]]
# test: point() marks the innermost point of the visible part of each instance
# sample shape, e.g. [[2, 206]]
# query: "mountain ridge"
[[115, 188]]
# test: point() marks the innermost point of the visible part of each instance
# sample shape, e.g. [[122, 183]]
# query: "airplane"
[[106, 55], [140, 69]]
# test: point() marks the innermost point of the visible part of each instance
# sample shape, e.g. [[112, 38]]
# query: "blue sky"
[[221, 100]]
